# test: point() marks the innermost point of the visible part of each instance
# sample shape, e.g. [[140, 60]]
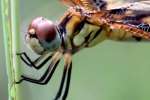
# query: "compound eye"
[[44, 29]]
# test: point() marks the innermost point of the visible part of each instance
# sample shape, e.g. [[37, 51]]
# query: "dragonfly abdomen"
[[118, 34], [121, 35]]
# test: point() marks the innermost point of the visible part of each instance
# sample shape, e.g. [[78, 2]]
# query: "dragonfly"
[[85, 24]]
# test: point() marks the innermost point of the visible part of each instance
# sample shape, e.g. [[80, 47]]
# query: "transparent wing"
[[136, 14], [132, 17]]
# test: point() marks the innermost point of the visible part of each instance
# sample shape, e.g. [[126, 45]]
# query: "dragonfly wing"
[[70, 3], [134, 18], [91, 5]]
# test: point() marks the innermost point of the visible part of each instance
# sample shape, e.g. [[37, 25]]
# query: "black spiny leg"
[[68, 82], [47, 75], [62, 84], [30, 63], [66, 74]]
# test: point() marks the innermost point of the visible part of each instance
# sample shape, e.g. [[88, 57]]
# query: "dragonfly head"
[[43, 36]]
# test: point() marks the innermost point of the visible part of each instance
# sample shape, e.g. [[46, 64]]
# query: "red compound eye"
[[44, 29]]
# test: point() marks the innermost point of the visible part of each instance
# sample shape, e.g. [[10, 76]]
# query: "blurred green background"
[[109, 71]]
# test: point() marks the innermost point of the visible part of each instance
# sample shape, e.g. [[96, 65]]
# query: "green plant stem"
[[15, 41], [7, 37], [10, 23]]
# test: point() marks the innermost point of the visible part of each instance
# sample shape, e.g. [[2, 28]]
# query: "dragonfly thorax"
[[43, 36]]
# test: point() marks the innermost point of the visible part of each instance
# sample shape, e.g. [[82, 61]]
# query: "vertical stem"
[[10, 21], [14, 4], [15, 33], [7, 39]]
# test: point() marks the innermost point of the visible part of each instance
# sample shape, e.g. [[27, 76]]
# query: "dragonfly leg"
[[21, 56], [47, 75], [66, 74], [30, 63], [61, 85], [68, 83]]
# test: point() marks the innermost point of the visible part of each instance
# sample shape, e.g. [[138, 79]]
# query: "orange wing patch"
[[87, 4], [70, 3]]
